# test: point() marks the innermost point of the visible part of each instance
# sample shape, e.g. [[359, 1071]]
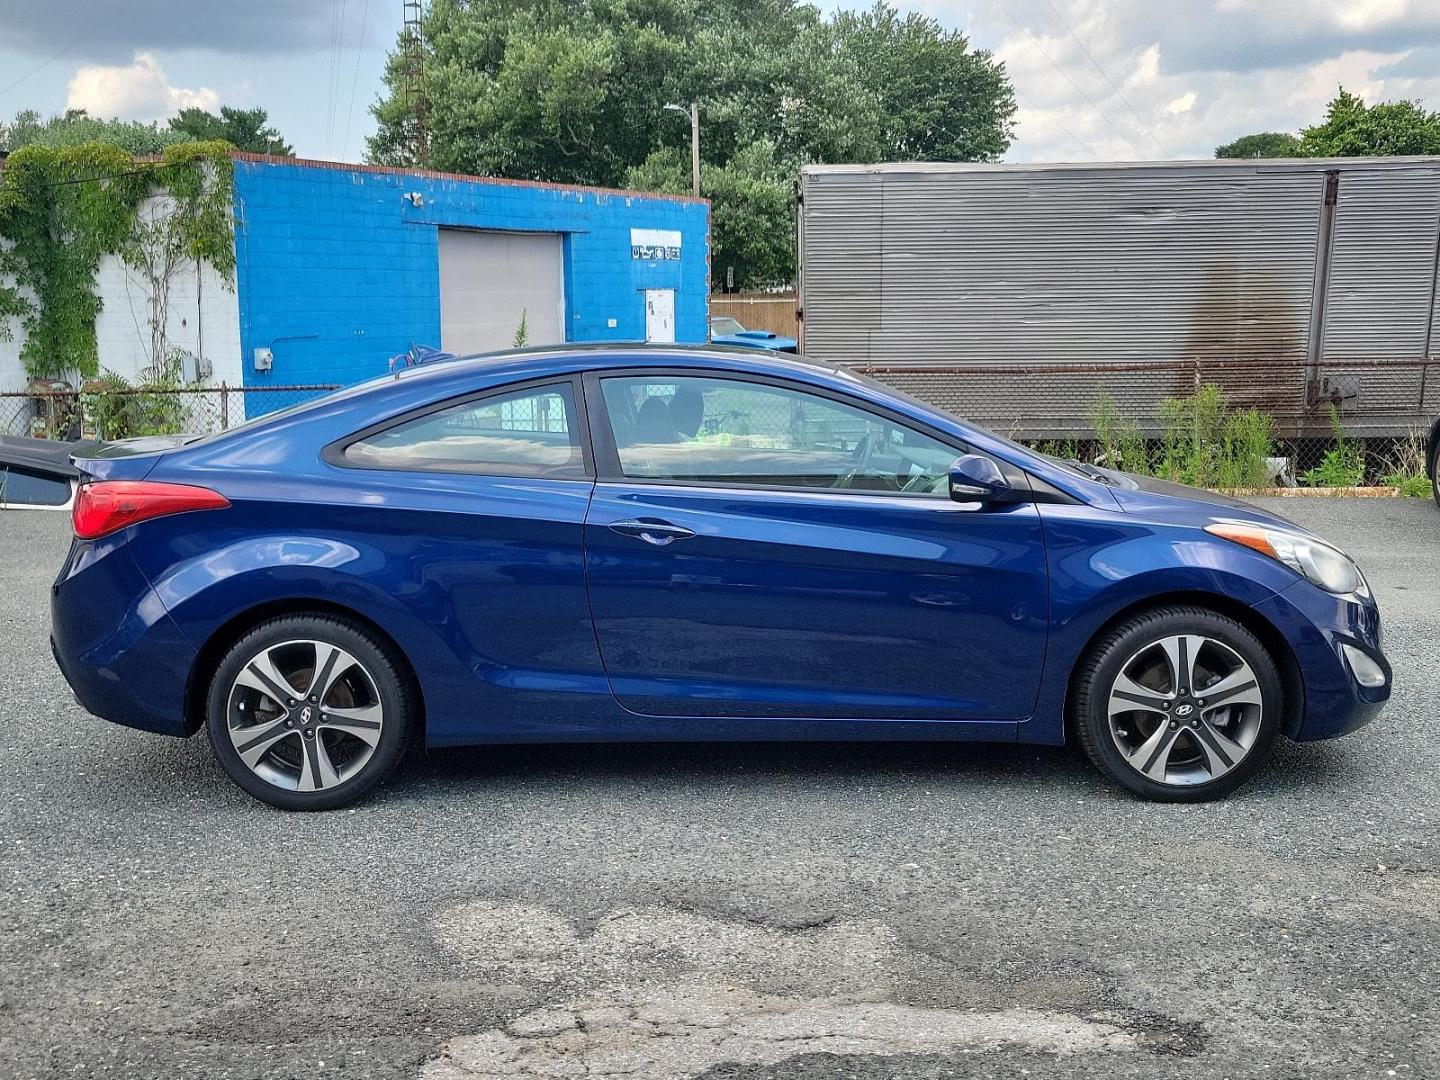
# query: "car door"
[[759, 548]]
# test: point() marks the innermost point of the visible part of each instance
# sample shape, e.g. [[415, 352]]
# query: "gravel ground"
[[760, 911]]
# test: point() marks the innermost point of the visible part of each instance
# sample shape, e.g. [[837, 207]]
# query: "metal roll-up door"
[[489, 279]]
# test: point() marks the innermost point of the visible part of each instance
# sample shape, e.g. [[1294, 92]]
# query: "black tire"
[[380, 675], [1435, 468], [1102, 666]]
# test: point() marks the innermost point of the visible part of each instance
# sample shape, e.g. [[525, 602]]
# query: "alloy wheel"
[[1185, 710], [304, 715]]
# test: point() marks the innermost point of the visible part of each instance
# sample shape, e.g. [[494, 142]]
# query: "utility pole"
[[695, 148], [694, 112]]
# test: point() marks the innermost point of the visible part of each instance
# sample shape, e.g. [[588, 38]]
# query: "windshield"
[[722, 325]]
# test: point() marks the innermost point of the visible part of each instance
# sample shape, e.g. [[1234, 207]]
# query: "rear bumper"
[[1319, 628], [125, 659]]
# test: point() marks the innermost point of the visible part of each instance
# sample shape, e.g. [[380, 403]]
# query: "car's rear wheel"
[[1179, 704], [309, 712]]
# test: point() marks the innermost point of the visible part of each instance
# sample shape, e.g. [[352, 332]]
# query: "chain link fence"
[[119, 414], [1383, 407]]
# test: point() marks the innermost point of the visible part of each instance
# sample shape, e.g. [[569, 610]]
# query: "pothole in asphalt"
[[668, 994], [683, 1032], [634, 945]]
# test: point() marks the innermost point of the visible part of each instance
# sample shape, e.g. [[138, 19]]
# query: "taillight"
[[106, 506]]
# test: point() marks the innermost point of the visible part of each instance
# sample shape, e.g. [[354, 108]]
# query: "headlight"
[[1317, 562]]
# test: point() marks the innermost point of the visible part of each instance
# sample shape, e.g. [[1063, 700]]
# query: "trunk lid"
[[124, 459]]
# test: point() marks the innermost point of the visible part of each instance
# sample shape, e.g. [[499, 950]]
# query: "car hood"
[[1149, 495]]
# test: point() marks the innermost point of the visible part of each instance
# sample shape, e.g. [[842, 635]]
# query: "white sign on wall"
[[655, 244]]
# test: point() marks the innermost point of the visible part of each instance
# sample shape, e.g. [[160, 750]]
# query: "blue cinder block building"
[[339, 267]]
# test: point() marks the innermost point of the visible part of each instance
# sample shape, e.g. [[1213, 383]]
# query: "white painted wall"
[[12, 372], [204, 319]]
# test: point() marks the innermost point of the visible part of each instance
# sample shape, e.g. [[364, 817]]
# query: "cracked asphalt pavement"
[[723, 911]]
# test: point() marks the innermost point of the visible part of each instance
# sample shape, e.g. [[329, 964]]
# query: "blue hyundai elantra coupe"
[[660, 543]]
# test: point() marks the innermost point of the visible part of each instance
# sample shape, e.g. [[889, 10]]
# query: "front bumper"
[[125, 659], [1319, 627]]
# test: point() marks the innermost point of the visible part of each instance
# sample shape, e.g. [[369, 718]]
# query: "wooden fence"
[[758, 311]]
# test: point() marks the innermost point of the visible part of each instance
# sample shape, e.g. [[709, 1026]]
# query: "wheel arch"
[[1264, 630], [240, 624]]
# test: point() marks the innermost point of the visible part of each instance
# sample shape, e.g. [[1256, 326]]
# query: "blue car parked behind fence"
[[661, 543]]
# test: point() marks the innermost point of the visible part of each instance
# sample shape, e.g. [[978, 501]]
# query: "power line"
[[1106, 76], [143, 170], [1047, 115], [337, 47], [94, 29], [355, 78], [1078, 88]]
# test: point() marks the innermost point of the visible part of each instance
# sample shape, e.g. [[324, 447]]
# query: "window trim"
[[607, 454], [333, 453]]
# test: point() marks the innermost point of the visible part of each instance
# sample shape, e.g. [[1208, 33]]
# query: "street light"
[[694, 111]]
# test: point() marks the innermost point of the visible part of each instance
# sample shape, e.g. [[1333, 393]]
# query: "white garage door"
[[488, 279]]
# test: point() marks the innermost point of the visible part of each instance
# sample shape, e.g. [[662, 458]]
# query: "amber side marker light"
[[1251, 536], [106, 506]]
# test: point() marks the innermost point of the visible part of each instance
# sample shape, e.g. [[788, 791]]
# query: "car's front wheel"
[[1435, 468], [309, 712], [1179, 704]]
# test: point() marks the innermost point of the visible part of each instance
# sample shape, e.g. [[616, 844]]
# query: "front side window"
[[728, 431], [530, 432]]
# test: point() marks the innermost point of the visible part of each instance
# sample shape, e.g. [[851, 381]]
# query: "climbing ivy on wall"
[[62, 209]]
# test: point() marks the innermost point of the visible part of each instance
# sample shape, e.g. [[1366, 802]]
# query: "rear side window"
[[531, 432], [22, 487]]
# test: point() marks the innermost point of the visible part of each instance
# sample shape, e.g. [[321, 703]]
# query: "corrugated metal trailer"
[[1294, 284]]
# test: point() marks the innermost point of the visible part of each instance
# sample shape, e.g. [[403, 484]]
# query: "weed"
[[1343, 464], [1404, 468], [1205, 444], [1121, 444]]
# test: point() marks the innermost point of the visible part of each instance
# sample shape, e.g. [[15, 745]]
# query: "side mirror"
[[974, 478]]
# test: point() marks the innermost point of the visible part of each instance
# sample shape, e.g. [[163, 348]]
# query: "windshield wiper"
[[1090, 471]]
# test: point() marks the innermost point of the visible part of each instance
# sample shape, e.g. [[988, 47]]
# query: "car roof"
[[540, 360], [605, 351], [412, 387]]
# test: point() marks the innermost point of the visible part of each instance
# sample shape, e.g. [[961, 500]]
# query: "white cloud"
[[1365, 14], [138, 91], [1182, 104], [1128, 79]]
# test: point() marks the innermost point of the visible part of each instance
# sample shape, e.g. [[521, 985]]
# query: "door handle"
[[658, 533]]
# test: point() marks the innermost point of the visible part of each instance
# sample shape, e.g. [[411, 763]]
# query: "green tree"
[[76, 127], [1353, 129], [574, 91], [1265, 144], [937, 100], [244, 129]]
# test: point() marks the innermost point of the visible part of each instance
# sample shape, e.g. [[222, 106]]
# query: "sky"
[[1095, 79]]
